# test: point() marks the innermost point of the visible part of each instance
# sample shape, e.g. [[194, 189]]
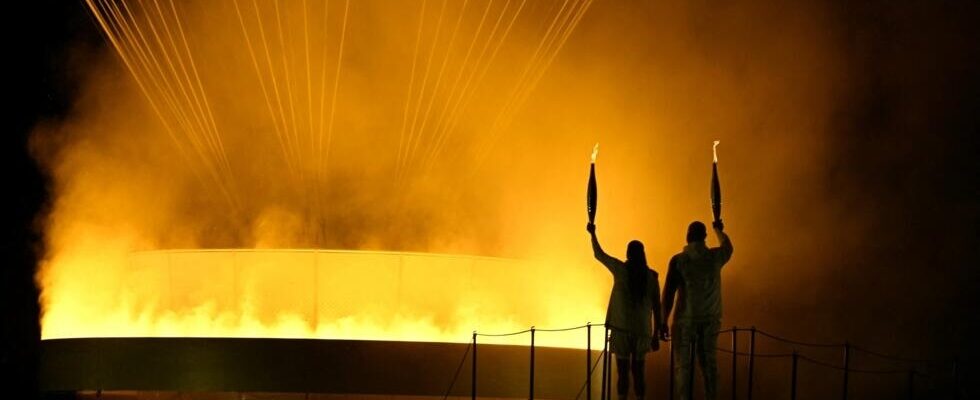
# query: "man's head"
[[635, 253], [696, 232]]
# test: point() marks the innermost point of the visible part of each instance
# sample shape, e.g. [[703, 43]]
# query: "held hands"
[[718, 225], [659, 335], [590, 227]]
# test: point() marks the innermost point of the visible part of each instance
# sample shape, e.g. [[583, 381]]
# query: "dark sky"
[[904, 156]]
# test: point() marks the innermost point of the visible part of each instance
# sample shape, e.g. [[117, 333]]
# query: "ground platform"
[[239, 368]]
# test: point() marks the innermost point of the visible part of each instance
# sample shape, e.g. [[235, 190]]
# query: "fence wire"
[[591, 373], [459, 368], [734, 330], [796, 342]]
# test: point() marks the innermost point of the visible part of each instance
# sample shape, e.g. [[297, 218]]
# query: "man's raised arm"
[[725, 248]]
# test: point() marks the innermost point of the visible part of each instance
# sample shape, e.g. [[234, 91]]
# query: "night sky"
[[904, 157]]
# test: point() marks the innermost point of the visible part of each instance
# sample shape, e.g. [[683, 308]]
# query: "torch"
[[715, 186], [592, 194]]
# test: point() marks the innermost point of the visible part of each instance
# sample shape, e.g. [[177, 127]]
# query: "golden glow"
[[272, 126], [714, 150], [595, 152], [322, 294], [371, 125]]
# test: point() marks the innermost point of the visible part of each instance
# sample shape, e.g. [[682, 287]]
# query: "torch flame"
[[714, 150], [595, 152]]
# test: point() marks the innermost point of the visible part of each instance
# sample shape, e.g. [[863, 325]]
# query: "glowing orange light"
[[320, 294], [273, 125]]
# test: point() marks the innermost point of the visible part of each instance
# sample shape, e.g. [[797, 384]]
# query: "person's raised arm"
[[725, 248], [600, 255]]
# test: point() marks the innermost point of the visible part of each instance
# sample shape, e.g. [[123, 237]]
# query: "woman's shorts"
[[625, 343]]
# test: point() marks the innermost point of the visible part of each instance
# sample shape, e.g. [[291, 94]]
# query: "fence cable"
[[798, 343], [458, 369], [733, 330], [591, 373], [863, 371], [891, 357], [503, 334], [761, 355], [564, 329]]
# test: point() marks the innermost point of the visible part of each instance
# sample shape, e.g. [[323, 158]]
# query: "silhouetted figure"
[[695, 274], [635, 295]]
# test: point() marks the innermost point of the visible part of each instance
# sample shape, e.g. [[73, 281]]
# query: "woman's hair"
[[636, 265]]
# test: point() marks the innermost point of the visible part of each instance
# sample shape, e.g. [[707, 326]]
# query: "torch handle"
[[715, 193], [591, 195]]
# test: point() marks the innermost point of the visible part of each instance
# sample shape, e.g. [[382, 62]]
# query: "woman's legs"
[[639, 383], [631, 363], [623, 372]]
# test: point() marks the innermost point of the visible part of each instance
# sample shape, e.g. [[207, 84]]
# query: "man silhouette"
[[635, 296], [695, 275]]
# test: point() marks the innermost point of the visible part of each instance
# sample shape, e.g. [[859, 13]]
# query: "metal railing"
[[795, 357]]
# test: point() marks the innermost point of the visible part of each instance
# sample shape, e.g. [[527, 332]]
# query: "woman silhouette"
[[635, 295]]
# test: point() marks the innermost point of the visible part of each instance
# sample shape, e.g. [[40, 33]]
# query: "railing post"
[[792, 393], [751, 360], [588, 361], [847, 370], [473, 377], [609, 361], [671, 383], [605, 361], [734, 362], [912, 384], [530, 394]]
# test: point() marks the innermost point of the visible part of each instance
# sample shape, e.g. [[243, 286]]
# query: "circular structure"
[[326, 294], [241, 321]]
